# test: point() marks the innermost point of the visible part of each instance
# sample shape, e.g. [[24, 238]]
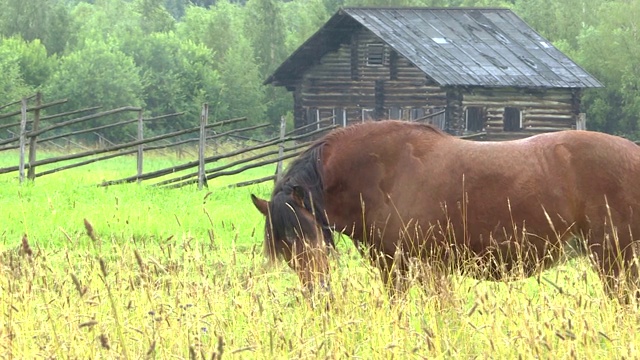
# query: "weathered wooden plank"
[[549, 124], [548, 112], [497, 102], [42, 106]]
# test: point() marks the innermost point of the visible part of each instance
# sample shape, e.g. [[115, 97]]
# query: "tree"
[[265, 29], [97, 74], [12, 86], [560, 21], [46, 20], [110, 21], [203, 3], [302, 20], [610, 50], [35, 65], [153, 16], [177, 76], [176, 8], [243, 91], [217, 28]]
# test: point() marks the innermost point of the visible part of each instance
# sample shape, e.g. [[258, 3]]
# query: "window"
[[438, 118], [395, 113], [474, 119], [375, 55], [512, 119], [340, 116], [368, 115], [313, 116], [325, 117], [417, 114]]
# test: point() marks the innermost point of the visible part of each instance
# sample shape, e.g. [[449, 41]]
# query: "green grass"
[[52, 208], [183, 276]]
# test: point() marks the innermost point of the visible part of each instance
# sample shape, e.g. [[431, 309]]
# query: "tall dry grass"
[[180, 274], [193, 298]]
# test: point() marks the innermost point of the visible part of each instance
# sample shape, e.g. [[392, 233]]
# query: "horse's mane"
[[305, 172]]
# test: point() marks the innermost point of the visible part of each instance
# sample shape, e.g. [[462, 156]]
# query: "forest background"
[[173, 55]]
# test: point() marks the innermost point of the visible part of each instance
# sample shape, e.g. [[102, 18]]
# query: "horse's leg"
[[393, 270], [614, 254]]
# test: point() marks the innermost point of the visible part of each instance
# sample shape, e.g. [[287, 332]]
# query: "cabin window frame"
[[393, 110], [313, 116], [479, 118], [367, 113], [376, 55], [318, 119], [508, 123], [325, 115]]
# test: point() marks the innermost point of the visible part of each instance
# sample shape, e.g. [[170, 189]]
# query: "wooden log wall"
[[331, 85], [455, 112], [541, 111]]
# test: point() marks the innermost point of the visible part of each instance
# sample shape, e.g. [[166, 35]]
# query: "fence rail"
[[31, 132], [33, 128]]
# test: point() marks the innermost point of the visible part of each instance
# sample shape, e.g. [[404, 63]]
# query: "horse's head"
[[293, 232]]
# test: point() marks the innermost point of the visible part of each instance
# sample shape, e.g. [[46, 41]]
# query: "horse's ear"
[[298, 194], [260, 204]]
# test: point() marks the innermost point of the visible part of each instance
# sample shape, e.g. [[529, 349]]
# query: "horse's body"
[[398, 187]]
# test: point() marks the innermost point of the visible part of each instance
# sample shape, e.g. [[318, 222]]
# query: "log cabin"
[[466, 70]]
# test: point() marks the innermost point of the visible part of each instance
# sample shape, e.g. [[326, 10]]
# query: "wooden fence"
[[32, 128]]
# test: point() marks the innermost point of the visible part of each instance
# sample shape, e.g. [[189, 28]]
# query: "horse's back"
[[390, 176], [557, 182]]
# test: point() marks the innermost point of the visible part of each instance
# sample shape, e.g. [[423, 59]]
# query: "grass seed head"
[[103, 267], [26, 249], [90, 231], [104, 342]]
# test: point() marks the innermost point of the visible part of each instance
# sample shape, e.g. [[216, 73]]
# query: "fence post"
[[202, 177], [23, 139], [31, 173], [581, 124], [141, 146], [283, 128]]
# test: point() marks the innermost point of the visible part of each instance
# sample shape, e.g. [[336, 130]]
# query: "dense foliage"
[[172, 55]]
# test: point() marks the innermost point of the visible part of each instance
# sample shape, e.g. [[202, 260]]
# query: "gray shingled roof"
[[452, 46]]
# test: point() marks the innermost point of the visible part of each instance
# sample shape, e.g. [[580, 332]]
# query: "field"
[[133, 271]]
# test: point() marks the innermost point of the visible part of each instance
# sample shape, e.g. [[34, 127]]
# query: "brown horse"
[[410, 189]]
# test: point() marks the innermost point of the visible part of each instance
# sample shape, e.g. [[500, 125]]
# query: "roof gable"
[[452, 46]]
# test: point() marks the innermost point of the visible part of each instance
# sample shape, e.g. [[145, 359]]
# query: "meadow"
[[134, 271]]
